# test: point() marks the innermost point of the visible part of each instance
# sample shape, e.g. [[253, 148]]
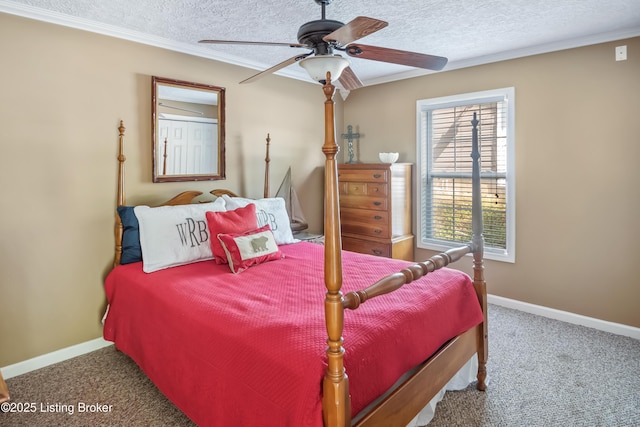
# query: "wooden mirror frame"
[[159, 149]]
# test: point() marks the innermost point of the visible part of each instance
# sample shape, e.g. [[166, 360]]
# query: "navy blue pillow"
[[131, 250]]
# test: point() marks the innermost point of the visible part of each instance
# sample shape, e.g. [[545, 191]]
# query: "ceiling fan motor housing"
[[312, 33]]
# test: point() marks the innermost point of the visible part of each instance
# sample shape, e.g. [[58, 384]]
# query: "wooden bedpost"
[[120, 196], [477, 243], [266, 169], [4, 391], [336, 407]]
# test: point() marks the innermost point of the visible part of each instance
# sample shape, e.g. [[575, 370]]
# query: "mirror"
[[188, 131]]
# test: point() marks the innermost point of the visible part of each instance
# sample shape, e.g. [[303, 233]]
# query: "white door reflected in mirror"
[[188, 131]]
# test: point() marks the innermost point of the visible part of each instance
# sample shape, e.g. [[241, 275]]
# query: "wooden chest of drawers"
[[375, 209]]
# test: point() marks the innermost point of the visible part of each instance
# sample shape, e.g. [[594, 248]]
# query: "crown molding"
[[57, 18], [515, 54], [39, 14]]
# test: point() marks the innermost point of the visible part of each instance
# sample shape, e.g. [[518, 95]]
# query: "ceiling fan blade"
[[395, 56], [254, 43], [276, 68], [358, 28], [349, 80]]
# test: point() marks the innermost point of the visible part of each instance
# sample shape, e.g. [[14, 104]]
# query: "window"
[[444, 171]]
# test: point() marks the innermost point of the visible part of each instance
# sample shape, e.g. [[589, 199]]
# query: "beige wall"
[[63, 94], [577, 173]]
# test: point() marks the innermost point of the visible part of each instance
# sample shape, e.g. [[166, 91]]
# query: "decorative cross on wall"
[[349, 136]]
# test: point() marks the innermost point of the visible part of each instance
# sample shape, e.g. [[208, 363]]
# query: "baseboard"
[[57, 356], [565, 316]]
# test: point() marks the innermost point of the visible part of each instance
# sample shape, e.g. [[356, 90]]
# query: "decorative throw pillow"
[[270, 211], [250, 248], [235, 221], [175, 235], [131, 251]]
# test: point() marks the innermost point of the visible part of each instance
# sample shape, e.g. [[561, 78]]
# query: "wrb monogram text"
[[193, 232], [265, 218]]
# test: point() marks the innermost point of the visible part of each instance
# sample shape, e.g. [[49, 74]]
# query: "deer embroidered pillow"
[[175, 235], [250, 248], [271, 211]]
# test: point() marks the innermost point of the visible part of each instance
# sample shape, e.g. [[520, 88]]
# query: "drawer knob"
[[376, 175], [378, 217], [376, 251], [377, 231], [377, 203]]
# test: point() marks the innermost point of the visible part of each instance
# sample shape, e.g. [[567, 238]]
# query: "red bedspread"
[[249, 349]]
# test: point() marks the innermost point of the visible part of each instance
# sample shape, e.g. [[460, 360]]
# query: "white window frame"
[[423, 141]]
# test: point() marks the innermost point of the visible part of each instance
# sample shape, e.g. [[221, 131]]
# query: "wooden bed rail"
[[394, 281]]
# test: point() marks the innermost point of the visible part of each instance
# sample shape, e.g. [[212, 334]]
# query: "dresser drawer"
[[366, 222], [350, 188], [364, 202], [366, 247], [366, 229], [378, 190], [363, 175]]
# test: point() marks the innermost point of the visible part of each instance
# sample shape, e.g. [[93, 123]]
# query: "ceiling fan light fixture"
[[317, 66]]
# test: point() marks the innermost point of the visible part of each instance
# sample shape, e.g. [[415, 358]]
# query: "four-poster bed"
[[266, 344]]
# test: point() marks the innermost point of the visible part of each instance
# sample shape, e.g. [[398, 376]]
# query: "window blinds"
[[448, 180]]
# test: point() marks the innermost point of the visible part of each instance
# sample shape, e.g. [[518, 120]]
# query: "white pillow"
[[270, 211], [175, 235]]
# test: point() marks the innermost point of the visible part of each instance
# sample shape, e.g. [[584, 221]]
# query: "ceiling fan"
[[324, 36]]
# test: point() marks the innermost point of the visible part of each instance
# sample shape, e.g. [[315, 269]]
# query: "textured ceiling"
[[467, 32]]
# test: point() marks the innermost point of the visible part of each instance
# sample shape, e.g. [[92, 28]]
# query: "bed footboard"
[[390, 283]]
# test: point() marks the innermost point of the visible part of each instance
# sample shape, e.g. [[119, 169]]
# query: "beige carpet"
[[541, 373]]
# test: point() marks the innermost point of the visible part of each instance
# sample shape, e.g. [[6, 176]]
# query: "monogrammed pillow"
[[175, 235], [270, 211]]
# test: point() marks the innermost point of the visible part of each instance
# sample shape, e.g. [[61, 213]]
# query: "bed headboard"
[[183, 198]]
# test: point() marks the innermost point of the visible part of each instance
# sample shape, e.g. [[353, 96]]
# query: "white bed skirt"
[[465, 376]]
